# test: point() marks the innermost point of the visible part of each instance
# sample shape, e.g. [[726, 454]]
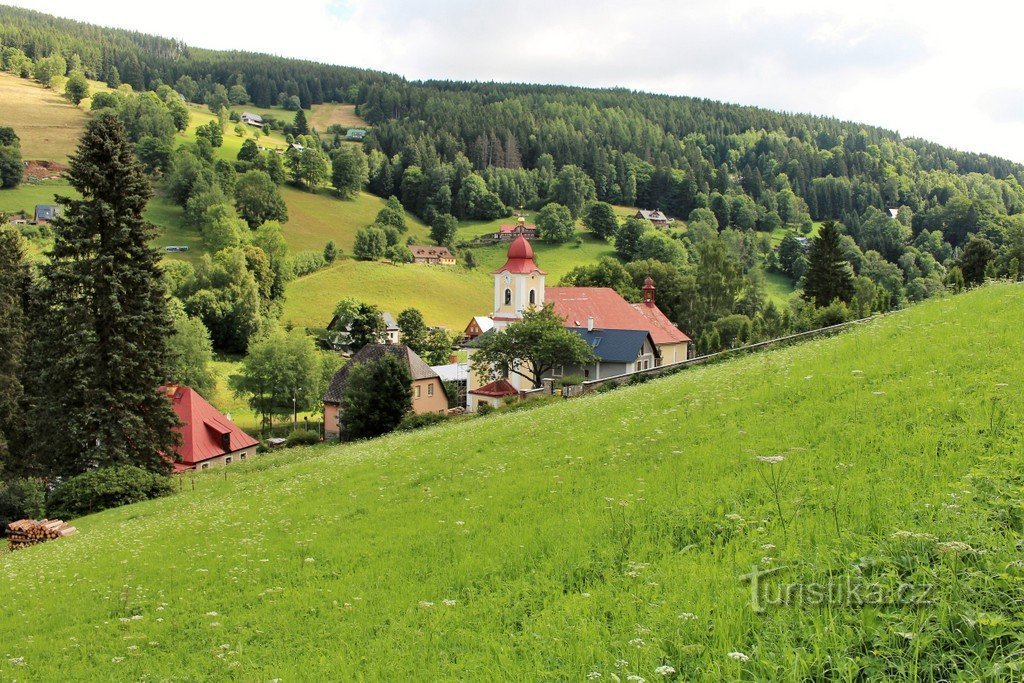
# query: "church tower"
[[518, 285]]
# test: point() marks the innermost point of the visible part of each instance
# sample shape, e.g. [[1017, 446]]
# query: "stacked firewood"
[[26, 532]]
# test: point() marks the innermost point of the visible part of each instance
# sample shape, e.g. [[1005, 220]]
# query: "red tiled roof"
[[611, 312], [520, 258], [497, 389], [508, 229], [202, 429]]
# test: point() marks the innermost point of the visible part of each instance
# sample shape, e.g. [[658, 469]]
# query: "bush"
[[302, 437], [306, 262], [411, 422], [570, 380], [20, 499], [484, 409], [107, 487]]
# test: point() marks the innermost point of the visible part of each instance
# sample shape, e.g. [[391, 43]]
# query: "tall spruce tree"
[[15, 283], [301, 124], [102, 320], [829, 275]]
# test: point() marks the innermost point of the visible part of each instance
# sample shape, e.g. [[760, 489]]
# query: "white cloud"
[[950, 76]]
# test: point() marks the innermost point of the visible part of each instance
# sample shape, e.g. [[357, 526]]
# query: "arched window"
[[533, 297], [508, 297]]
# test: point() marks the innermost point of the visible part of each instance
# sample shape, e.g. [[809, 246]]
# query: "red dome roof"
[[520, 248], [520, 258]]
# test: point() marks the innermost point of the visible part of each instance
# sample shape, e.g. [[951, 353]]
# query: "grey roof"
[[47, 212], [452, 372], [373, 352], [389, 321], [615, 346]]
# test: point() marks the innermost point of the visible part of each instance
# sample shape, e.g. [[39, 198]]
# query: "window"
[[557, 372], [417, 391], [508, 297], [227, 460], [430, 390], [204, 466], [586, 373], [533, 297], [242, 456]]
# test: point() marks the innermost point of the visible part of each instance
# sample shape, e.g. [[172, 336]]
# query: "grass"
[[609, 534], [778, 288], [328, 114], [49, 126], [447, 296]]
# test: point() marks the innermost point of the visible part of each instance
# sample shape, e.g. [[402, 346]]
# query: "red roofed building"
[[207, 437], [521, 227], [493, 394]]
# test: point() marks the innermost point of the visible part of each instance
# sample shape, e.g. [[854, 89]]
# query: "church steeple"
[[518, 285]]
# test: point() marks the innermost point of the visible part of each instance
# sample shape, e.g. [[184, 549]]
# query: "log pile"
[[26, 532]]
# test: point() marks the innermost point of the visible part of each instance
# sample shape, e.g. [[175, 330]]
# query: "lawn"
[[608, 535], [328, 114], [779, 288], [49, 126]]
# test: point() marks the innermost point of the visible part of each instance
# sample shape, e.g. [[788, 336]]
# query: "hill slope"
[[551, 543]]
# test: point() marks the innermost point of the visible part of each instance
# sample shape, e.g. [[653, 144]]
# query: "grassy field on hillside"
[[327, 114], [606, 535], [49, 126]]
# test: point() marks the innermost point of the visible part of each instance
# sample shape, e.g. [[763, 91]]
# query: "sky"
[[950, 75]]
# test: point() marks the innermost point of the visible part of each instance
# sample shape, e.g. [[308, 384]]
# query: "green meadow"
[[869, 481]]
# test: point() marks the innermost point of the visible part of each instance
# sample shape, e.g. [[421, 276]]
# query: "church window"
[[508, 297], [533, 297]]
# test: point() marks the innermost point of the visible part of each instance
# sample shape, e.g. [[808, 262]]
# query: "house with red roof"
[[494, 394], [207, 437], [519, 286], [520, 227]]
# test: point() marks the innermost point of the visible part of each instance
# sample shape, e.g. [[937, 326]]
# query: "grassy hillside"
[[49, 126], [609, 534]]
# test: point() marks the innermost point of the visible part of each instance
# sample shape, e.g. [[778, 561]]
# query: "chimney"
[[453, 359], [590, 323]]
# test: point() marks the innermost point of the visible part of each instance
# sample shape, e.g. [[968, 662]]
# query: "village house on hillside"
[[659, 219], [597, 314], [356, 134], [619, 352], [207, 437], [431, 255], [428, 393], [520, 227], [252, 119], [477, 326], [46, 213], [495, 394]]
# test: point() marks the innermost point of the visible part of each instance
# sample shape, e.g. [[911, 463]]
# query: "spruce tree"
[[102, 320], [301, 125], [829, 276], [15, 283]]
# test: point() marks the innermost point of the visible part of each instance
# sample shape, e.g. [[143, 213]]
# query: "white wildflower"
[[665, 670], [633, 678], [637, 643], [117, 660], [212, 614], [621, 663], [309, 559], [954, 547], [739, 657], [768, 546], [449, 602], [16, 661], [687, 616], [771, 459], [593, 675], [426, 604]]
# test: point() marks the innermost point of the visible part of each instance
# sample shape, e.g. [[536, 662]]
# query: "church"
[[598, 314]]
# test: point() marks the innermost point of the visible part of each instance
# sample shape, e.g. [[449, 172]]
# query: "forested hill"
[[476, 150]]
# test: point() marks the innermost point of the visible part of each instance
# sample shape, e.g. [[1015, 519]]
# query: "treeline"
[[144, 61]]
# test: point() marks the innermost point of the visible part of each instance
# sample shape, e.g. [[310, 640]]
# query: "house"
[[208, 438], [297, 146], [430, 255], [618, 352], [519, 286], [45, 213], [659, 219], [252, 119], [521, 227], [609, 311], [339, 338], [428, 393], [495, 394], [356, 134], [477, 326]]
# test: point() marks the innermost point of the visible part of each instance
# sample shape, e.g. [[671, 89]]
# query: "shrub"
[[484, 409], [302, 437], [306, 262], [20, 499], [107, 487], [570, 380], [414, 421]]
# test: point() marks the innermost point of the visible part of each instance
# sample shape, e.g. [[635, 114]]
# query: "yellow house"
[[427, 389]]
